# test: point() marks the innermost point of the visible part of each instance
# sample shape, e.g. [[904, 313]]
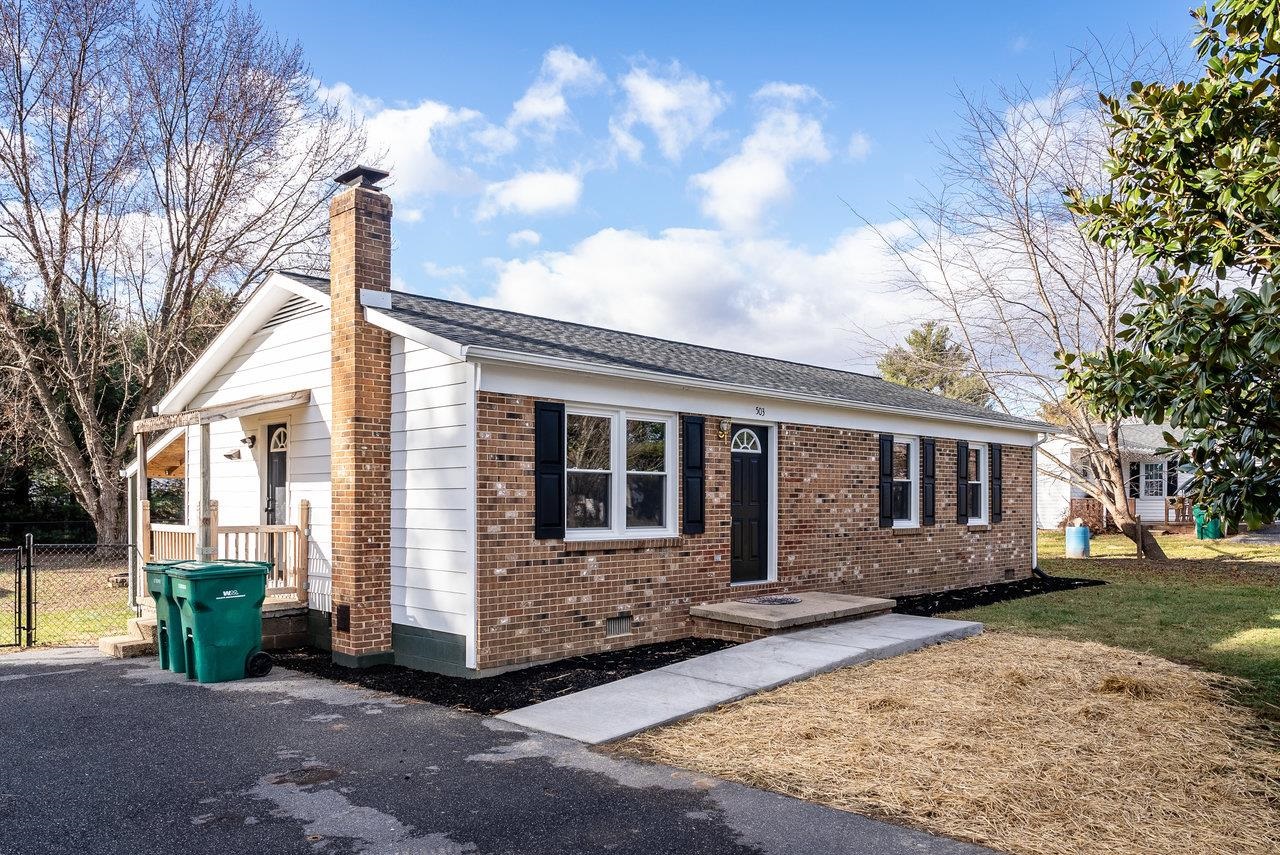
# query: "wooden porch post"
[[213, 531], [144, 529], [143, 534], [302, 552], [205, 550]]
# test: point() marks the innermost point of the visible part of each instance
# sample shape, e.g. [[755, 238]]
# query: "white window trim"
[[985, 485], [618, 475], [1143, 478], [913, 518]]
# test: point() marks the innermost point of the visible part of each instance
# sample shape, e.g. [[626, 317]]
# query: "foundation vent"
[[620, 625]]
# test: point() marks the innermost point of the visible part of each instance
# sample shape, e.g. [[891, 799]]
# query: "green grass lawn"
[[1214, 605]]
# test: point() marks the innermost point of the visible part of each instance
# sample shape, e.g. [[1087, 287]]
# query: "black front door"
[[749, 503], [277, 510]]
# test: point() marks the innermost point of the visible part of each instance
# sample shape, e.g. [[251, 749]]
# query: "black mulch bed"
[[512, 690], [927, 605]]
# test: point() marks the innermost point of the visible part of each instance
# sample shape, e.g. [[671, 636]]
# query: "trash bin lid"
[[212, 569]]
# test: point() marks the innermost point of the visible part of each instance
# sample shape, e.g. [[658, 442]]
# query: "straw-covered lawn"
[[1027, 745]]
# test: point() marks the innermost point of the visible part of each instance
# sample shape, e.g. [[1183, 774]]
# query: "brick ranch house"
[[467, 490]]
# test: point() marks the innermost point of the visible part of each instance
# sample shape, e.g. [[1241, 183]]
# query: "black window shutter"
[[1171, 475], [928, 479], [962, 481], [886, 480], [1135, 479], [997, 483], [548, 470], [694, 475]]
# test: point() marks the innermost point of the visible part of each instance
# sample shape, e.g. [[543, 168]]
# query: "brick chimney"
[[360, 260]]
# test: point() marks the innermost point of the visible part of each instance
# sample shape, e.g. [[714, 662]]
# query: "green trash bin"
[[221, 605], [1207, 528], [169, 635]]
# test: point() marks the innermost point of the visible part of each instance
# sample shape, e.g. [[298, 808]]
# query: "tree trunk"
[[1127, 522], [111, 518]]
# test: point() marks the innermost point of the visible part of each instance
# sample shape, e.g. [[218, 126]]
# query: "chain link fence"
[[66, 594]]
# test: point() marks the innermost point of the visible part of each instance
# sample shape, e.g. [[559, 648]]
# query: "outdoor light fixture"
[[249, 442], [725, 424], [234, 454]]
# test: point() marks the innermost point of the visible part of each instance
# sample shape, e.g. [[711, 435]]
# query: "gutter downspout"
[[1035, 506]]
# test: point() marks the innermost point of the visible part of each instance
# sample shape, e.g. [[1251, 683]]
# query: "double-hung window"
[[977, 484], [905, 495], [619, 474], [1153, 480]]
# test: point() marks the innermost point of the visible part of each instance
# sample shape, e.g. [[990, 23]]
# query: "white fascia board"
[[990, 429], [261, 305], [320, 298], [153, 449], [395, 326]]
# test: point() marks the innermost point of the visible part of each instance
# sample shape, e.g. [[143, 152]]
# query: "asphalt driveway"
[[104, 756]]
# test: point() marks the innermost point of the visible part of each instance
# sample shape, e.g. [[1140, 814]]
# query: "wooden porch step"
[[813, 607]]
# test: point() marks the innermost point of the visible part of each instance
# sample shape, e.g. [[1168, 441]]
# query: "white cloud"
[[544, 103], [1019, 43], [524, 237], [410, 138], [436, 271], [738, 191], [677, 106], [859, 146], [531, 193], [710, 287], [791, 92]]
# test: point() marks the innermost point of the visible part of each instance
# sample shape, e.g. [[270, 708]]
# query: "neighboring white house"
[[1153, 477]]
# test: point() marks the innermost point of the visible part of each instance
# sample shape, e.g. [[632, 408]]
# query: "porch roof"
[[218, 412]]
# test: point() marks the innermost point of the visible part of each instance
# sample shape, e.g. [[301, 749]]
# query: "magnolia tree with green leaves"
[[928, 359], [1196, 169]]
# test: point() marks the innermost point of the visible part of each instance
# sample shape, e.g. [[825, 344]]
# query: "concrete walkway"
[[628, 706]]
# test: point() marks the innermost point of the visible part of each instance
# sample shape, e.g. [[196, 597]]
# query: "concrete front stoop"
[[747, 619], [140, 641]]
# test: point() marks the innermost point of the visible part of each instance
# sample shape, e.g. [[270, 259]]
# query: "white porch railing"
[[284, 547]]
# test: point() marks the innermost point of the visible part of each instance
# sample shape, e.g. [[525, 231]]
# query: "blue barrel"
[[1077, 541]]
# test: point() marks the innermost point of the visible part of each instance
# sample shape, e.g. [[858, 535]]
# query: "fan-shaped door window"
[[746, 440], [279, 438]]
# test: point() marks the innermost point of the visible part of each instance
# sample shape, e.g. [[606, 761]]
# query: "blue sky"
[[676, 169]]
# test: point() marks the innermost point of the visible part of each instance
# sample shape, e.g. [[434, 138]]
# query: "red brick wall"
[[541, 600], [360, 258]]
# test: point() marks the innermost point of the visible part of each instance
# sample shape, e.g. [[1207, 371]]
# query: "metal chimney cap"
[[362, 176]]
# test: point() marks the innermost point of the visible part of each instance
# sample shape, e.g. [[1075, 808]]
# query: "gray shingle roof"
[[1139, 437], [481, 326]]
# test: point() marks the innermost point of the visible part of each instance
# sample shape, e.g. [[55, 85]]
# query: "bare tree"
[[155, 160], [1010, 269]]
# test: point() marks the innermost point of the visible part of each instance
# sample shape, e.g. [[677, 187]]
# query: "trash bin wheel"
[[259, 664]]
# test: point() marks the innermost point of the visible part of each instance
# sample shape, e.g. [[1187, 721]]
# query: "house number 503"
[[759, 411]]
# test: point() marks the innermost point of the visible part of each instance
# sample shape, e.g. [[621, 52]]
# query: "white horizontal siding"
[[286, 356], [432, 491]]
